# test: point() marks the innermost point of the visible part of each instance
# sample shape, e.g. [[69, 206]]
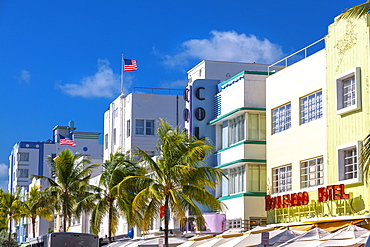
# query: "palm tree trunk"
[[33, 227], [10, 229], [166, 221], [110, 215], [64, 223]]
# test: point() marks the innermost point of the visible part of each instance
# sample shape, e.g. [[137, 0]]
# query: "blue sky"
[[61, 60]]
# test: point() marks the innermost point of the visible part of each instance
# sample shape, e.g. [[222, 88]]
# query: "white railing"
[[283, 63]]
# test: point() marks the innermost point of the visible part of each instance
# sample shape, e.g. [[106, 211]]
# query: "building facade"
[[31, 158], [131, 121], [226, 102], [318, 113]]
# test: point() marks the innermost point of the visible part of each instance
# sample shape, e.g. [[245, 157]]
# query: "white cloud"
[[25, 76], [103, 84], [227, 46], [4, 170]]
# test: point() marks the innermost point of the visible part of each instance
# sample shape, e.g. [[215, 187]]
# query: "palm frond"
[[357, 11]]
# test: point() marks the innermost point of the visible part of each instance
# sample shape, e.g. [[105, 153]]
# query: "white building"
[[132, 121], [30, 158], [226, 102]]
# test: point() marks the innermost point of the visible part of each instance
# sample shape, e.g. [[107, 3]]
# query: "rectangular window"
[[128, 128], [149, 127], [236, 129], [312, 172], [23, 157], [281, 118], [140, 126], [114, 136], [23, 173], [348, 91], [257, 178], [282, 179], [144, 127], [256, 126], [106, 141], [311, 107], [348, 162], [237, 180], [234, 223]]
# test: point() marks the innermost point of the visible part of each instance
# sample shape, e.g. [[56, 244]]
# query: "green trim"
[[245, 194], [234, 111], [240, 161], [241, 143], [244, 73]]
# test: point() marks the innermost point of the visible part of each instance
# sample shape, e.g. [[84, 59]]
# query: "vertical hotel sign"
[[328, 193]]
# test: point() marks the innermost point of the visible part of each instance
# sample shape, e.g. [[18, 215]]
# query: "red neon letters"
[[329, 193]]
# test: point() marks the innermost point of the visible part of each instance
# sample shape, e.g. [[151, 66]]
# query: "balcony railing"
[[295, 57]]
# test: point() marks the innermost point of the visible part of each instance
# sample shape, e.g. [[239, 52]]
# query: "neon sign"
[[328, 193]]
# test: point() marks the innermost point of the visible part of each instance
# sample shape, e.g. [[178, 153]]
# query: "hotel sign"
[[328, 193]]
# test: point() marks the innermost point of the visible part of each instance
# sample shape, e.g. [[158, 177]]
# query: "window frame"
[[341, 149], [261, 184], [288, 179], [356, 74], [236, 129], [307, 114], [276, 125], [315, 175], [237, 179], [259, 125], [23, 156], [145, 127]]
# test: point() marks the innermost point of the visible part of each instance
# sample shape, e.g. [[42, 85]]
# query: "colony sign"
[[328, 193]]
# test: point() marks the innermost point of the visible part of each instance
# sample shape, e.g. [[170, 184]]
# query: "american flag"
[[66, 141], [129, 65]]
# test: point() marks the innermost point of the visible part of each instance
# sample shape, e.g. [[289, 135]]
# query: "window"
[[237, 180], [128, 128], [23, 157], [257, 178], [106, 141], [348, 162], [140, 126], [282, 179], [144, 127], [281, 118], [23, 173], [312, 172], [149, 127], [256, 126], [234, 223], [236, 129], [348, 91], [311, 107], [114, 136]]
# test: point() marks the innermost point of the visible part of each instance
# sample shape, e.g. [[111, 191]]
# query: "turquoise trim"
[[244, 73], [241, 161], [241, 143], [245, 194], [234, 111]]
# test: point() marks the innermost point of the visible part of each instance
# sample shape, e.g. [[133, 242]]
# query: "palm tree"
[[110, 204], [37, 204], [179, 180], [70, 186], [356, 11], [10, 208], [364, 161]]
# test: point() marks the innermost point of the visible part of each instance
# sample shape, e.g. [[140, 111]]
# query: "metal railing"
[[151, 90], [279, 66]]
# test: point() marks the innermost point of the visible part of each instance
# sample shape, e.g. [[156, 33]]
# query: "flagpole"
[[122, 74]]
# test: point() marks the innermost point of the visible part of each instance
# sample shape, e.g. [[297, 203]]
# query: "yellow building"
[[318, 112]]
